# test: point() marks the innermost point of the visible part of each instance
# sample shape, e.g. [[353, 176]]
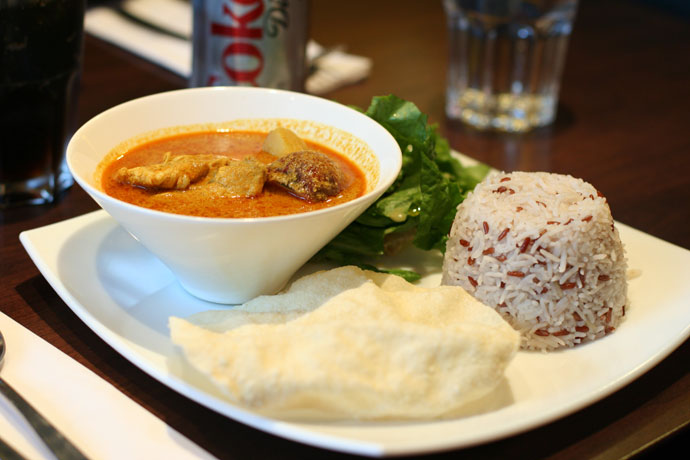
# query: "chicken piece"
[[310, 175], [174, 173], [241, 178], [282, 141]]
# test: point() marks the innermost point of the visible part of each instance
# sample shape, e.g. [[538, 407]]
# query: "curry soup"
[[199, 200]]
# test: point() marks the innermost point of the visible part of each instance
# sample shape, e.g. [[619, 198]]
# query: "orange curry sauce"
[[195, 201]]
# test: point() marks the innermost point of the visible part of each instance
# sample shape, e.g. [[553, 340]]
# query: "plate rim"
[[296, 431]]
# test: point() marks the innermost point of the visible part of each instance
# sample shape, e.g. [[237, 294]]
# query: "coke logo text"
[[244, 23]]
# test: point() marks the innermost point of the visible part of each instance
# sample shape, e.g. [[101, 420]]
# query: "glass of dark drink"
[[40, 63]]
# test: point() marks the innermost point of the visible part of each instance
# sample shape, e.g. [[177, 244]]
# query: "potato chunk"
[[241, 178], [310, 175], [282, 141]]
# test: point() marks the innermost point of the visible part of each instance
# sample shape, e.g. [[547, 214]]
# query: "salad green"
[[420, 205]]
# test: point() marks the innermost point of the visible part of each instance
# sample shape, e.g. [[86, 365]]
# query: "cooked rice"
[[541, 249]]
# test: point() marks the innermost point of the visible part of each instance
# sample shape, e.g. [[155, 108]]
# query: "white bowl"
[[228, 260]]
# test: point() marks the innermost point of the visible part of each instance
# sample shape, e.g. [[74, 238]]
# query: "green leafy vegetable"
[[420, 205]]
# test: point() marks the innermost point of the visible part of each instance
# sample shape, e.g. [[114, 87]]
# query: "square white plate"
[[125, 295]]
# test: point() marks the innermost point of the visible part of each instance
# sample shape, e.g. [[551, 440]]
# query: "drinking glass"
[[40, 59], [505, 61]]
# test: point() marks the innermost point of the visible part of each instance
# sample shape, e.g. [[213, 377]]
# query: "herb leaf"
[[421, 201]]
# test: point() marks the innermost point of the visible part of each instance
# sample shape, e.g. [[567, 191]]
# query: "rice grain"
[[544, 253]]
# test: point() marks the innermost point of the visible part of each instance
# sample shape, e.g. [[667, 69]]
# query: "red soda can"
[[250, 43]]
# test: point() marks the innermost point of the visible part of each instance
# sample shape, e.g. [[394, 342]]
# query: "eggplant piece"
[[307, 174]]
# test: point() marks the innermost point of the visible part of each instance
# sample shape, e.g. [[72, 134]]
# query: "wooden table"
[[622, 125]]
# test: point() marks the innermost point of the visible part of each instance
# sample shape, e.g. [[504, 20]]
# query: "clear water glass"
[[505, 61]]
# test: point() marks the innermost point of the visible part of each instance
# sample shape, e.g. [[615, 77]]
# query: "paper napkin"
[[100, 420]]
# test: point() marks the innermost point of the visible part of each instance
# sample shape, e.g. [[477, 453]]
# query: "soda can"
[[250, 43]]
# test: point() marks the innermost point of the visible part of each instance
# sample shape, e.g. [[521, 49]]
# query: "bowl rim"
[[380, 188]]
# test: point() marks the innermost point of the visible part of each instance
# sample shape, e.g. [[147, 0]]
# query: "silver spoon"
[[56, 442]]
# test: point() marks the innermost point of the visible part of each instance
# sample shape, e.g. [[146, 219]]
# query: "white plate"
[[125, 295]]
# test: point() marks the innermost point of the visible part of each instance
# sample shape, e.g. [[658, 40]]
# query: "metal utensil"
[[138, 20], [8, 453], [54, 440]]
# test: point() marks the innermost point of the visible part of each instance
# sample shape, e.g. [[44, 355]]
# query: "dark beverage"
[[40, 58]]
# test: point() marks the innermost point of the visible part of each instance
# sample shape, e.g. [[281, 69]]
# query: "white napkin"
[[332, 70], [101, 421]]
